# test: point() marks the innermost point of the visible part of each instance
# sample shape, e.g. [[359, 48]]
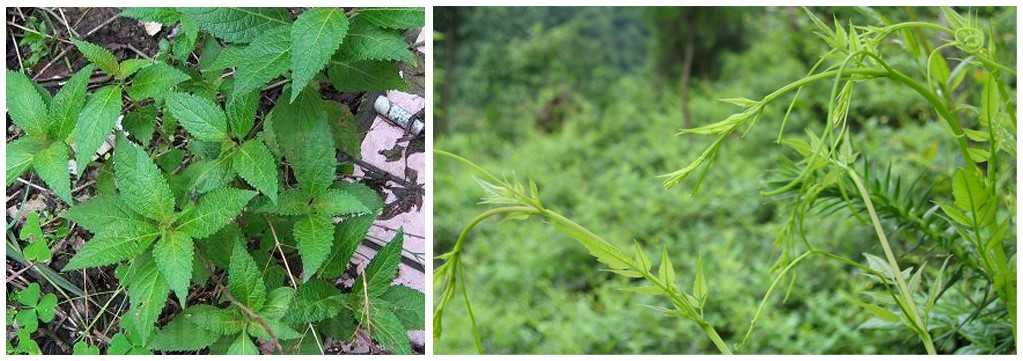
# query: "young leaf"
[[52, 167], [183, 335], [20, 154], [257, 166], [200, 116], [155, 80], [267, 57], [68, 103], [118, 242], [641, 259], [173, 254], [99, 56], [314, 235], [236, 25], [141, 183], [646, 290], [244, 280], [971, 195], [315, 36], [394, 18], [215, 210], [95, 122], [366, 41], [700, 284], [383, 268], [25, 106], [878, 312], [666, 272], [369, 75], [605, 252]]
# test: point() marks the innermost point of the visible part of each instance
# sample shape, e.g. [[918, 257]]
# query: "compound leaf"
[[315, 35]]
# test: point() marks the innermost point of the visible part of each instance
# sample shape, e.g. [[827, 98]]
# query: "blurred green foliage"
[[537, 291]]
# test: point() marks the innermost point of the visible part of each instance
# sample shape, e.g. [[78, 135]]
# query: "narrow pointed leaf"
[[315, 36], [95, 122], [117, 243], [213, 211], [315, 237], [25, 106], [173, 254], [200, 116], [52, 167], [257, 167], [141, 183]]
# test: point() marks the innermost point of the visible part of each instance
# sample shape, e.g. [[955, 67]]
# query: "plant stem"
[[904, 290]]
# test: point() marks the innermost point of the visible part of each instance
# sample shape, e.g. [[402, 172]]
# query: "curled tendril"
[[970, 40]]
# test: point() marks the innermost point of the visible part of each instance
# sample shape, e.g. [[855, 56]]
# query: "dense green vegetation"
[[582, 100]]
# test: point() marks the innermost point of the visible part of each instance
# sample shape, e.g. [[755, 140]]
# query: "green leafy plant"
[[221, 210], [980, 118]]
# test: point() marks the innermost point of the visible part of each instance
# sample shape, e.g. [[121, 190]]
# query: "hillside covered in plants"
[[844, 181], [193, 181]]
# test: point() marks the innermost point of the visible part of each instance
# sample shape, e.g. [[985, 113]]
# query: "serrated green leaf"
[[173, 254], [315, 35], [147, 290], [338, 202], [241, 112], [341, 327], [68, 103], [216, 320], [264, 59], [244, 280], [666, 272], [365, 75], [200, 116], [316, 300], [25, 106], [129, 67], [257, 166], [281, 331], [97, 213], [305, 139], [236, 25], [366, 195], [388, 331], [95, 122], [188, 33], [366, 41], [141, 183], [348, 235], [155, 80], [277, 303], [118, 242], [383, 268], [208, 174], [20, 154], [971, 195], [315, 236], [605, 252], [407, 304], [52, 167], [165, 16], [394, 18], [99, 56], [141, 123], [242, 345], [213, 211], [183, 335]]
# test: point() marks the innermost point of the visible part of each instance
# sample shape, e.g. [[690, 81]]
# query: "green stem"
[[900, 281]]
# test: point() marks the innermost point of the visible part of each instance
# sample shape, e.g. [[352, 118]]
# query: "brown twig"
[[253, 315], [277, 243]]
